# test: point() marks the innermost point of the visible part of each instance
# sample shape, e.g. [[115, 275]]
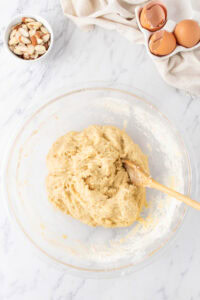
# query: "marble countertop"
[[78, 57]]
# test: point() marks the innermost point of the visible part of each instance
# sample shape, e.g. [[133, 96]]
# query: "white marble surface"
[[76, 57]]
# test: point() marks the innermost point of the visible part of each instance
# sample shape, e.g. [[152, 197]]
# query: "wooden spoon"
[[140, 178]]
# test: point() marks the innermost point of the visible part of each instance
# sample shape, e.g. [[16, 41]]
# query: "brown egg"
[[162, 43], [187, 33], [153, 16]]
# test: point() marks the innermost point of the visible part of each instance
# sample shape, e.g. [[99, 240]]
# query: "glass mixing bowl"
[[83, 250]]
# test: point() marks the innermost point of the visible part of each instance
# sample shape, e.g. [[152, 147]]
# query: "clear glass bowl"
[[83, 250]]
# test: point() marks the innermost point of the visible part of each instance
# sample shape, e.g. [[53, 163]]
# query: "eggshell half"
[[162, 43], [153, 16]]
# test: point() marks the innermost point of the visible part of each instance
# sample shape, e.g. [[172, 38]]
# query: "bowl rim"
[[94, 85], [17, 19]]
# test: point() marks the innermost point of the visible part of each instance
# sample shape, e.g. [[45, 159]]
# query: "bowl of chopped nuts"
[[28, 37]]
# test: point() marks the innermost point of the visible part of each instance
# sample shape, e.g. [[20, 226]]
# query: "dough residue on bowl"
[[87, 179]]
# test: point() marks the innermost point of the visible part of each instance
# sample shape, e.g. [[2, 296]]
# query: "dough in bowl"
[[87, 179]]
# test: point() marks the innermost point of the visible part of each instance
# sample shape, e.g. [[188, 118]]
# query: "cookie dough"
[[87, 179]]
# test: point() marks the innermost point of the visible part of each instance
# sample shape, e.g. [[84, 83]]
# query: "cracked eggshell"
[[153, 16], [162, 43], [170, 27]]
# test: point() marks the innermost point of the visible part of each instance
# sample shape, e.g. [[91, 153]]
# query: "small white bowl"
[[17, 20]]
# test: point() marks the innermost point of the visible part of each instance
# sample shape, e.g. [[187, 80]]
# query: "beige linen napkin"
[[181, 70]]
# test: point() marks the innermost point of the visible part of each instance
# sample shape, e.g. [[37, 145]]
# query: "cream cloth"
[[181, 70]]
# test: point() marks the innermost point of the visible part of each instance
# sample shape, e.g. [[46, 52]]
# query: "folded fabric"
[[181, 70]]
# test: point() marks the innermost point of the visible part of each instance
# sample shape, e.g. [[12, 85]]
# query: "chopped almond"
[[38, 34], [16, 27], [33, 40]]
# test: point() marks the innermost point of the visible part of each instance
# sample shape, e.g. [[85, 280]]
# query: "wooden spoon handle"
[[154, 184]]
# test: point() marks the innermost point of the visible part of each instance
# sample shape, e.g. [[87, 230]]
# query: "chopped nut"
[[17, 26], [46, 37], [40, 49], [38, 34], [32, 32], [17, 35], [23, 32], [39, 41], [21, 48], [34, 25], [12, 35], [33, 40], [43, 29], [27, 20], [34, 56], [24, 40], [26, 56], [24, 26], [13, 41], [17, 51], [31, 49]]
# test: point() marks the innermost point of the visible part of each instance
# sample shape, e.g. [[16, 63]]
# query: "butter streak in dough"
[[87, 180]]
